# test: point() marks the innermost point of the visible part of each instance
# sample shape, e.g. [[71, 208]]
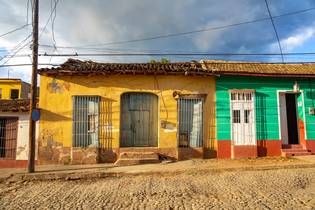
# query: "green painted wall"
[[267, 125]]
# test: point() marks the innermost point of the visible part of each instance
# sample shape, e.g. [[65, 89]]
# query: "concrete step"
[[291, 154], [135, 158], [292, 146], [129, 162], [138, 155], [293, 150]]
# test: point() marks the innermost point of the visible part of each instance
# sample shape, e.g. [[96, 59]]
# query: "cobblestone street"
[[267, 189]]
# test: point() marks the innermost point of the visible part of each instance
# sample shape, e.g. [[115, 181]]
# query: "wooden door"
[[139, 120], [8, 137]]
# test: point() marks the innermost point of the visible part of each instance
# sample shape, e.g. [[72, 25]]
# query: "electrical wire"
[[48, 20], [27, 64], [18, 48], [53, 21], [182, 33], [275, 29], [175, 54], [14, 30]]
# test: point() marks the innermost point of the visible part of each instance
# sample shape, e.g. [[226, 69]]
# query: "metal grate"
[[8, 137], [105, 124], [190, 122], [85, 120]]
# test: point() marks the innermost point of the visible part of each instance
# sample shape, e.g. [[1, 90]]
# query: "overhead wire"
[[48, 20], [175, 54], [182, 33], [275, 29]]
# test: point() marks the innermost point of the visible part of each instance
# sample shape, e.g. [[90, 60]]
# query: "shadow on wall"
[[310, 95], [140, 82], [261, 121], [51, 116]]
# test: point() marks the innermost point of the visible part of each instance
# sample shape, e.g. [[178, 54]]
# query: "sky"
[[99, 23]]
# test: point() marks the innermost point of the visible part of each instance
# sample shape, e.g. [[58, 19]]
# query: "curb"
[[67, 176]]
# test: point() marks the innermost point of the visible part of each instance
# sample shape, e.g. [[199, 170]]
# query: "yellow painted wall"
[[56, 103], [7, 84]]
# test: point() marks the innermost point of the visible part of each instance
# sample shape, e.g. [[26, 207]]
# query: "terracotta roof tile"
[[205, 68], [225, 67], [77, 67]]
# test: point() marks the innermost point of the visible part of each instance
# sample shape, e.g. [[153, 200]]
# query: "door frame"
[[254, 114], [158, 117], [297, 119]]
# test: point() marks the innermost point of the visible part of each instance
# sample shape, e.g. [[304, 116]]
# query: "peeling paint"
[[55, 87]]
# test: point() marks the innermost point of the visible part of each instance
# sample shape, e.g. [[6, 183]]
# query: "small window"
[[246, 116], [14, 94], [233, 96], [236, 116], [248, 96]]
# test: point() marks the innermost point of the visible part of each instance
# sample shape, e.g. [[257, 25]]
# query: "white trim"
[[279, 118], [305, 130]]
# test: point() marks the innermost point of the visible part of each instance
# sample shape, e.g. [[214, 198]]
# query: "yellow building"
[[93, 112], [14, 89]]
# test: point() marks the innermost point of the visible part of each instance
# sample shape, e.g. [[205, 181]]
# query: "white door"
[[243, 118]]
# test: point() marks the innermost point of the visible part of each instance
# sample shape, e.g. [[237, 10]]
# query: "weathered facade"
[[14, 89], [264, 109], [93, 113], [14, 127]]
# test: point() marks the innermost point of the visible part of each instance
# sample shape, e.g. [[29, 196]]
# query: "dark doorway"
[[293, 136]]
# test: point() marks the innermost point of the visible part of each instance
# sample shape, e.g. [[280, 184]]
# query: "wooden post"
[[33, 100]]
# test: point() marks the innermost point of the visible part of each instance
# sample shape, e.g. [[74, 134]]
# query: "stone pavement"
[[74, 172]]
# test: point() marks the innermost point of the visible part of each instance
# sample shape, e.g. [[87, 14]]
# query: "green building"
[[264, 109]]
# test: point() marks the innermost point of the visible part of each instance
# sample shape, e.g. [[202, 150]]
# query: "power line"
[[53, 21], [49, 18], [14, 30], [27, 64], [18, 48], [175, 54], [275, 30], [20, 27], [182, 33]]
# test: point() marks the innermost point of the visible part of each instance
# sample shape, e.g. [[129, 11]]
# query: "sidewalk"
[[74, 172]]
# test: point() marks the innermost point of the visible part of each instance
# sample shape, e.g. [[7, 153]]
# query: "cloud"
[[294, 40], [298, 39]]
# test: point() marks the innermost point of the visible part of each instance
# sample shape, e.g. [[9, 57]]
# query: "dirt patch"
[[271, 189]]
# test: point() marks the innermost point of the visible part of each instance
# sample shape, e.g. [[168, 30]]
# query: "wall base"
[[224, 149], [244, 151], [269, 148], [14, 163], [310, 145], [189, 153]]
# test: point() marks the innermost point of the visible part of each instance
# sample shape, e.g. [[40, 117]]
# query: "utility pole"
[[33, 99]]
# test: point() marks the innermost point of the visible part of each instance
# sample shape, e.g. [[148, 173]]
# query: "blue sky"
[[81, 22]]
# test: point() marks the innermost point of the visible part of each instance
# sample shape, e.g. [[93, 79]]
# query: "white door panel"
[[243, 118]]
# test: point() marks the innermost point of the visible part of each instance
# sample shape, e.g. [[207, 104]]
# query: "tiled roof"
[[205, 68], [252, 68], [17, 105], [77, 67]]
